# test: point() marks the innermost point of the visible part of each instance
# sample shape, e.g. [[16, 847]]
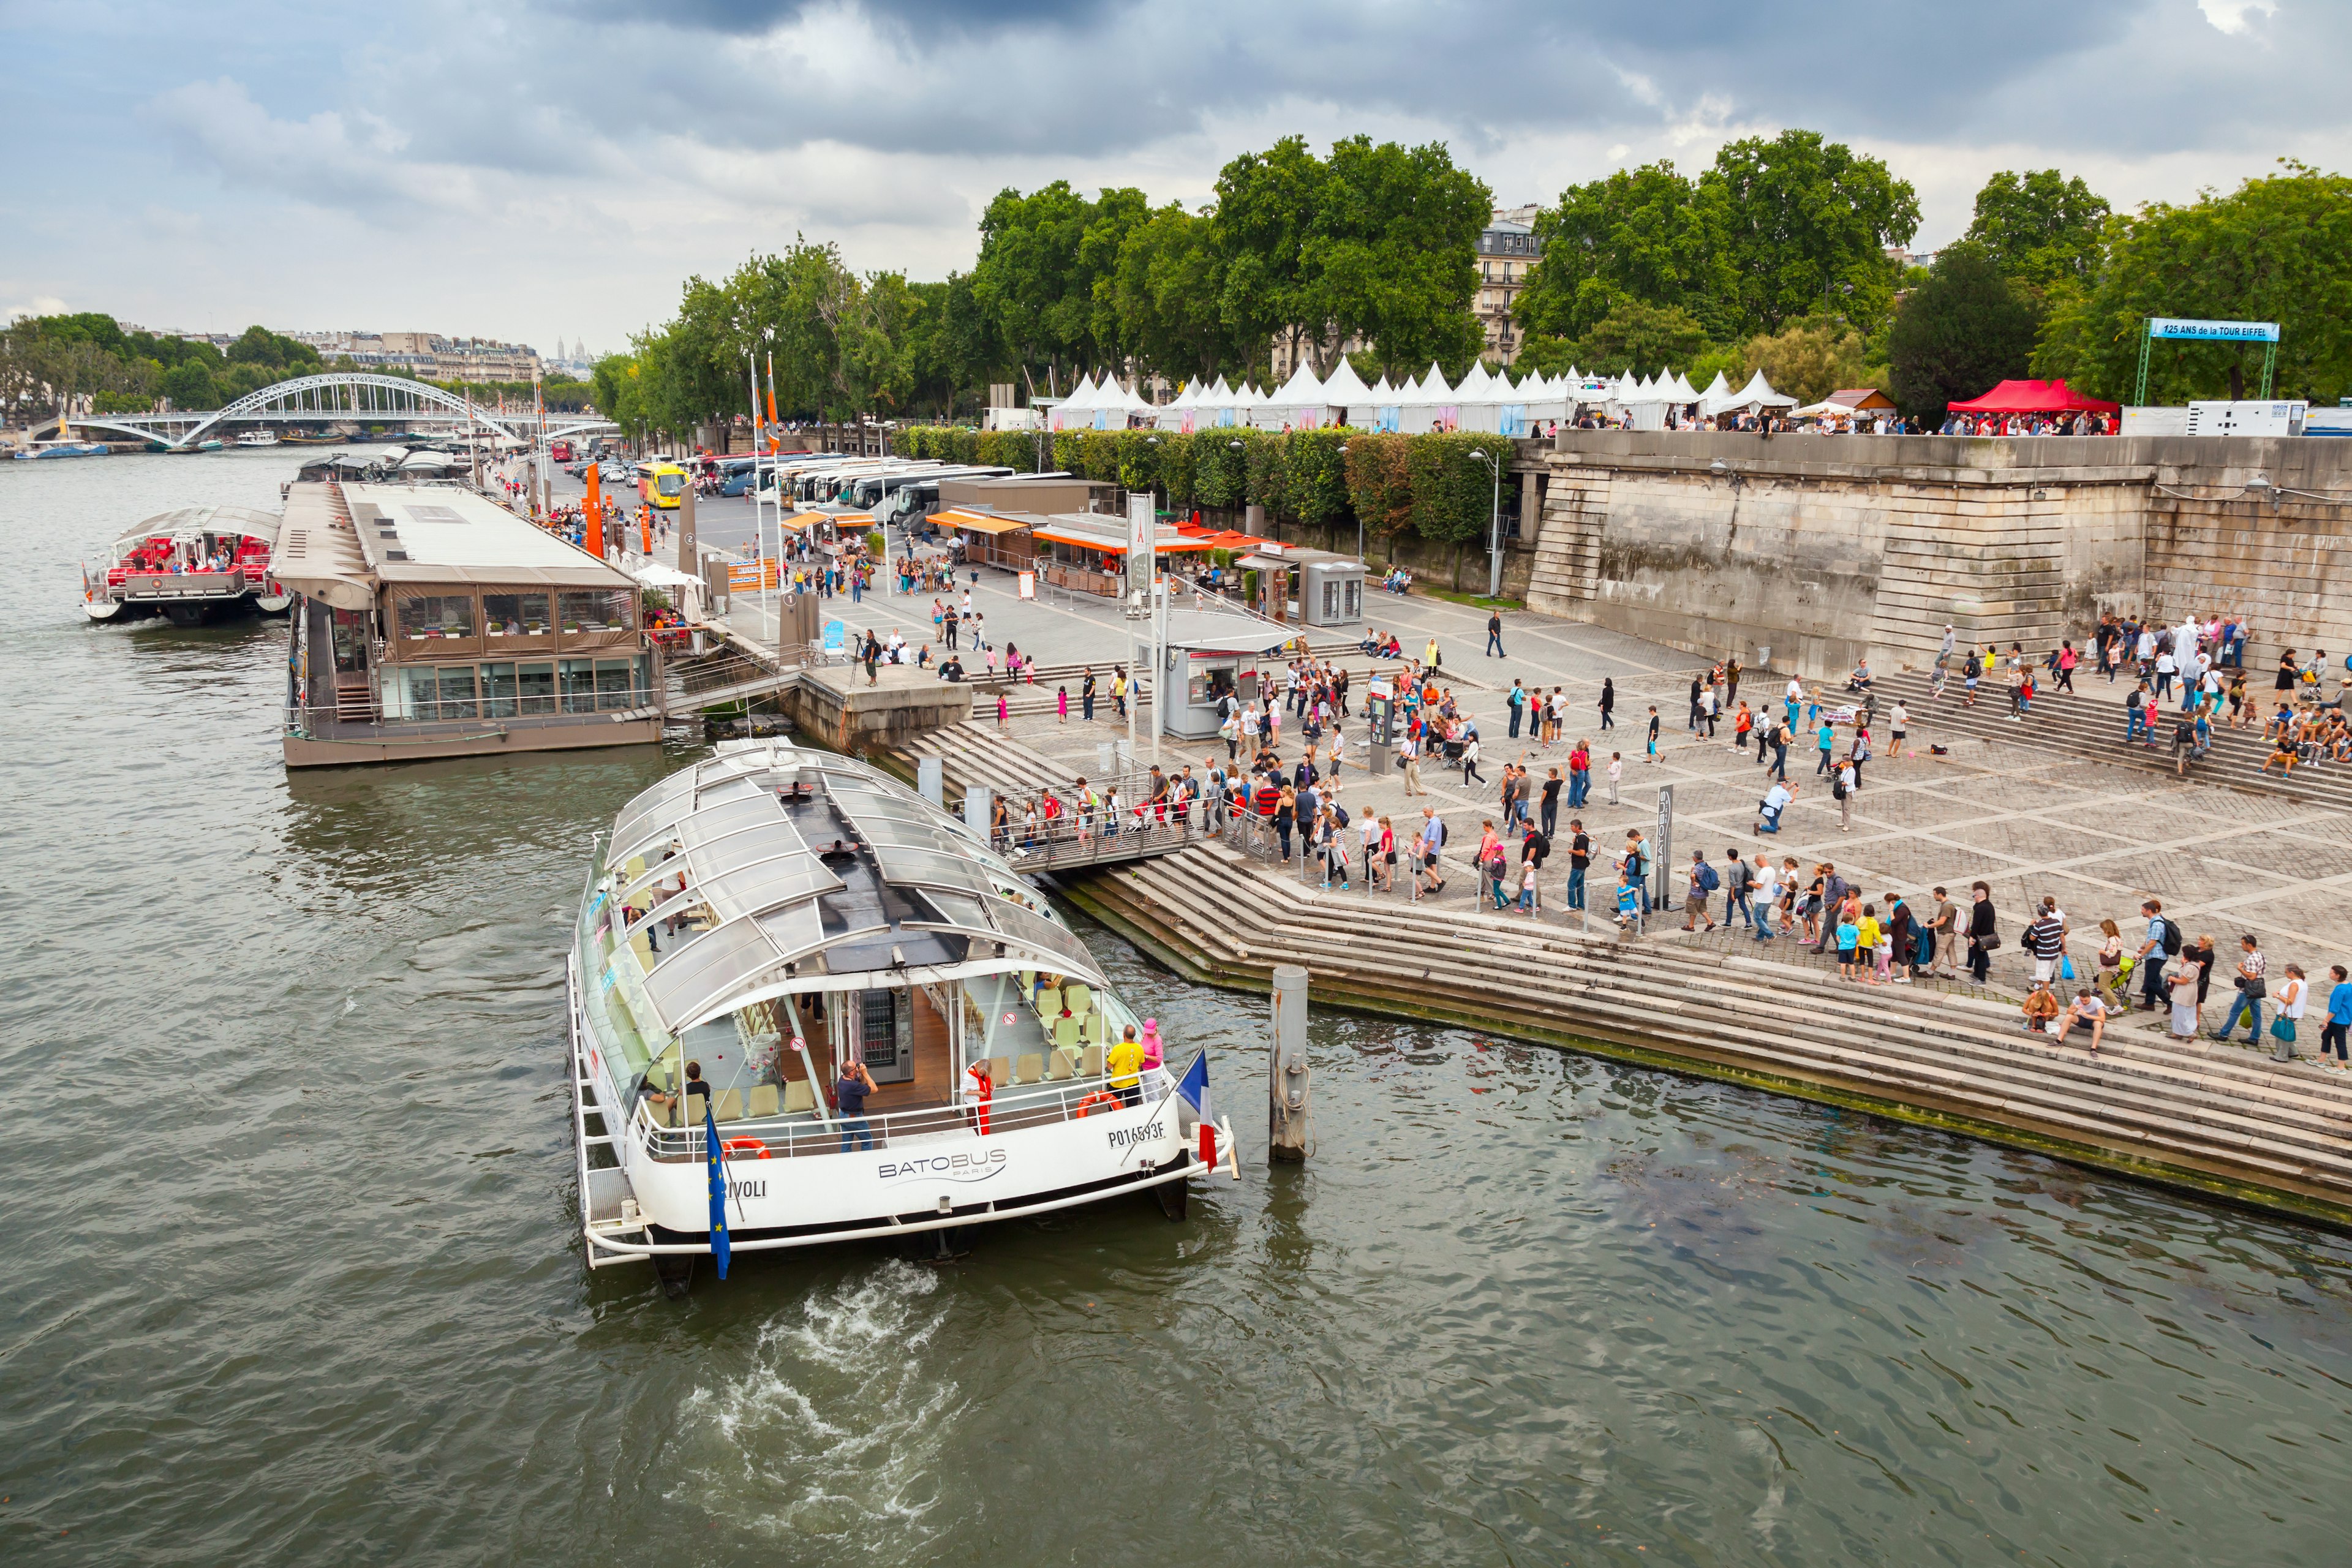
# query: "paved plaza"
[[2025, 820]]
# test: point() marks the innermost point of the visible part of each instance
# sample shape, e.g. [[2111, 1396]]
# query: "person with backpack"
[[2163, 942], [1704, 881]]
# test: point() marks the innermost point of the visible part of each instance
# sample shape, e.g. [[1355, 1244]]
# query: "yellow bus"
[[661, 483]]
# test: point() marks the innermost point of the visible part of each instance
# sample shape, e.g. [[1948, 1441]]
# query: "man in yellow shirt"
[[1126, 1063]]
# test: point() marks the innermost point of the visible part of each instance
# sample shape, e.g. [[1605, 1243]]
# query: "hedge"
[[1431, 484]]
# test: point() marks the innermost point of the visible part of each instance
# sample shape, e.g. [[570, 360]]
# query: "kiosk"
[[1210, 655]]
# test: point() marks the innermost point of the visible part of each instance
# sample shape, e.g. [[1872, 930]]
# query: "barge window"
[[515, 614], [616, 683], [535, 688], [603, 610], [499, 695], [444, 616], [457, 690]]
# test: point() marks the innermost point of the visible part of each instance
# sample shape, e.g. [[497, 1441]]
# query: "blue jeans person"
[[1763, 923], [855, 1133], [1576, 887], [1515, 720], [1739, 905], [2252, 1009], [1580, 787], [2137, 724]]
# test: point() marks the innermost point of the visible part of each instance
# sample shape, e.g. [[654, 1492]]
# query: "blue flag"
[[720, 1248], [1194, 1085]]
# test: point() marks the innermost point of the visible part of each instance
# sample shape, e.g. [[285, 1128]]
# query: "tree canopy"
[[2039, 227], [1965, 329]]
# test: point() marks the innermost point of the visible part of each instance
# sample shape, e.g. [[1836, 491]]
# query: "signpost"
[[1663, 861], [2182, 330]]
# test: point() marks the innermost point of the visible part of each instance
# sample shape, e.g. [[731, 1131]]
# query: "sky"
[[537, 169]]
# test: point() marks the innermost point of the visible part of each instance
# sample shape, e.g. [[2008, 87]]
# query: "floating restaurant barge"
[[771, 914], [429, 620]]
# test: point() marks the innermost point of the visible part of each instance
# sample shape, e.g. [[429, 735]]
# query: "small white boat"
[[263, 437], [810, 913], [190, 564]]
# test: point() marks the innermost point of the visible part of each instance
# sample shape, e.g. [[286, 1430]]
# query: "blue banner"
[[2175, 329]]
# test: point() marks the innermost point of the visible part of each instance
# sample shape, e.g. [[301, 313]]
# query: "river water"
[[293, 1278]]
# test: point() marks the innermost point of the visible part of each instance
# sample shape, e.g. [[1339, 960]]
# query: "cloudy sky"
[[537, 169]]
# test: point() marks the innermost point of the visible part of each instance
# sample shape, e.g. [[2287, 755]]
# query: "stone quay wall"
[[1825, 549]]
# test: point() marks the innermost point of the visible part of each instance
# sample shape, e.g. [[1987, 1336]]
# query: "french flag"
[[1194, 1086]]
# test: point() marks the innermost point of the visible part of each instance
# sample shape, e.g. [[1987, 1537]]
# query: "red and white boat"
[[192, 564]]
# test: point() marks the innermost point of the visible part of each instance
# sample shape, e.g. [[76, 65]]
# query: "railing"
[[305, 721], [806, 1133]]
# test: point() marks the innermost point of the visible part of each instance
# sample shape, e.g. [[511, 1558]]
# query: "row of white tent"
[[1481, 401]]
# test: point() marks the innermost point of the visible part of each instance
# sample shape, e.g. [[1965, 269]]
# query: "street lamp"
[[1494, 529]]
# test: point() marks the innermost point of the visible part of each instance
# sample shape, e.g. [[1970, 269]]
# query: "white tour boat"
[[264, 437], [191, 564], [775, 912]]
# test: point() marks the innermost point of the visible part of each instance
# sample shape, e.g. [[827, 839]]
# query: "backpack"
[[2171, 939], [1707, 879], [1340, 815]]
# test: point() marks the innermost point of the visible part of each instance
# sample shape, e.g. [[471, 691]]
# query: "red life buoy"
[[1086, 1107], [744, 1149]]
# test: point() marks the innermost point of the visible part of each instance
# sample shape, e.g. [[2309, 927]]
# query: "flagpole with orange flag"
[[592, 515]]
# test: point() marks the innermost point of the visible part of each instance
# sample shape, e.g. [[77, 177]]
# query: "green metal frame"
[[2147, 342]]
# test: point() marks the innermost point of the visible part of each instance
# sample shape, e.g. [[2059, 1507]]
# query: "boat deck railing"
[[807, 1133], [469, 713]]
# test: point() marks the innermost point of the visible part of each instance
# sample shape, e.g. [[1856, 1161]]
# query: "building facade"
[[1508, 250]]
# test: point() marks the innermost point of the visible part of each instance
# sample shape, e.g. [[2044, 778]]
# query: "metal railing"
[[801, 1134], [302, 720]]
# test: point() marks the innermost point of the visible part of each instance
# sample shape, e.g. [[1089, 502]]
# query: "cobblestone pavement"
[[2025, 821]]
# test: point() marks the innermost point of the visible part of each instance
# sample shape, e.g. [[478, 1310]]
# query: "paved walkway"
[[2028, 821]]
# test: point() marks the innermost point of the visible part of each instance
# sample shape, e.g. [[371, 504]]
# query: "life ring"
[[1086, 1107], [743, 1149]]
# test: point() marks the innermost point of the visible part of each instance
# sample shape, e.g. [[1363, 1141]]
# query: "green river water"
[[293, 1273]]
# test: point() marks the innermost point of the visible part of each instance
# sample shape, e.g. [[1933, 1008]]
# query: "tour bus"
[[661, 481], [561, 451]]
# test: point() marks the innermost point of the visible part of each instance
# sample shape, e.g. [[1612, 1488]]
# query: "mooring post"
[[1286, 1067]]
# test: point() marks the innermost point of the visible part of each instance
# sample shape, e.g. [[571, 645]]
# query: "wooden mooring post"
[[1286, 1067]]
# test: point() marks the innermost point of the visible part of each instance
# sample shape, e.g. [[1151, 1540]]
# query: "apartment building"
[[1508, 250]]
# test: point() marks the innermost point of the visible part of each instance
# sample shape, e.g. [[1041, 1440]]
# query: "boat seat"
[[1066, 1033], [1029, 1069], [1000, 1070], [799, 1096], [1058, 1066], [1049, 1002], [729, 1106], [1090, 1062], [761, 1100], [1079, 999]]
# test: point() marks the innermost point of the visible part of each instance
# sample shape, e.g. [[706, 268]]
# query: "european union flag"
[[720, 1248]]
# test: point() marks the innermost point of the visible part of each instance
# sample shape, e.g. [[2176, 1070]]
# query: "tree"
[[2278, 248], [1807, 223], [257, 345], [1268, 204], [1166, 290], [1392, 255], [1033, 284], [2039, 227], [1956, 335], [1646, 235], [1808, 359], [1648, 340], [189, 385]]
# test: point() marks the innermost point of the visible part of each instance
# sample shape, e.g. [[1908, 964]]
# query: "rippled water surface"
[[292, 1276]]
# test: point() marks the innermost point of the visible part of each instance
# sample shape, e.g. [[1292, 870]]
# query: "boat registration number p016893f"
[[1124, 1137]]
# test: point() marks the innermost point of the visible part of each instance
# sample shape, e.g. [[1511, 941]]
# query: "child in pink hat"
[[1151, 1043]]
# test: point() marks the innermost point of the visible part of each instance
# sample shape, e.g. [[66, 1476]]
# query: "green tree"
[[1809, 359], [1392, 255], [1033, 283], [1166, 290], [2278, 248], [2039, 227], [1268, 206], [1648, 236], [1648, 340], [1806, 225], [1956, 335], [189, 385], [257, 345]]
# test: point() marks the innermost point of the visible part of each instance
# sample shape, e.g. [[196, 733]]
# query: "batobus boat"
[[775, 912], [192, 564]]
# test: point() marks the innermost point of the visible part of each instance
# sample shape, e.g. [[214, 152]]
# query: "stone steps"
[[2142, 1098]]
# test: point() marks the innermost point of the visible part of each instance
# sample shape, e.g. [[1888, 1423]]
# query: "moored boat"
[[761, 920], [191, 564], [262, 437]]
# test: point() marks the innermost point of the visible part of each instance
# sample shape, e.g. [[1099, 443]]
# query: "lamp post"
[[1494, 531]]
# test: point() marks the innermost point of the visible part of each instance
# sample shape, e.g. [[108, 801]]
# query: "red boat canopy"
[[2035, 397]]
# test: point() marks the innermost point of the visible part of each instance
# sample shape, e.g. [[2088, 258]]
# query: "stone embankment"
[[2224, 1122]]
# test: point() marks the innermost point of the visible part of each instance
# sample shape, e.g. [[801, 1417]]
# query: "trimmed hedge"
[[1428, 484]]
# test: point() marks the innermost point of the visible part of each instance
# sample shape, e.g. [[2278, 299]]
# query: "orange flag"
[[592, 512]]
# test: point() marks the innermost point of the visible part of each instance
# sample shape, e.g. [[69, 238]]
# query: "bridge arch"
[[339, 393]]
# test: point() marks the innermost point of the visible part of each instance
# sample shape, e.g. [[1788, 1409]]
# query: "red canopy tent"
[[2035, 397]]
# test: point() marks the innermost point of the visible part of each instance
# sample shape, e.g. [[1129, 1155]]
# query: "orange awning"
[[1119, 546], [978, 522]]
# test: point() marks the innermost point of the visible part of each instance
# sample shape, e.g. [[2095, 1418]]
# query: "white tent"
[[1758, 394], [1477, 385], [1716, 395], [1682, 390], [1432, 388], [1346, 394], [1299, 403], [1075, 411], [1382, 389]]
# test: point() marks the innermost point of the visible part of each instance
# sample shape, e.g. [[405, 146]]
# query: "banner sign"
[[758, 574], [2173, 328]]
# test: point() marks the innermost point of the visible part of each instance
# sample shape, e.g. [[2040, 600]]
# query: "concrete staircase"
[[2210, 1117], [2089, 723]]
